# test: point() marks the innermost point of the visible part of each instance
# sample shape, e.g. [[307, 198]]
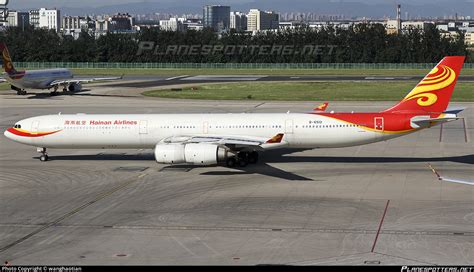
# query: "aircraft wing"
[[82, 80], [441, 178], [232, 142]]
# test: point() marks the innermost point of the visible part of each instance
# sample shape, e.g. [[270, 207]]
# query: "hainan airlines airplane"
[[41, 79], [237, 139]]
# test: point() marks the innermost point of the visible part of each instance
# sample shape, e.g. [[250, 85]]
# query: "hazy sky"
[[346, 7], [22, 4]]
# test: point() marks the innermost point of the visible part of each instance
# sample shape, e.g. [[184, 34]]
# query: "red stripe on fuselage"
[[392, 122], [29, 134]]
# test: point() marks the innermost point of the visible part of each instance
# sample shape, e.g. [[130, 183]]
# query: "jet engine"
[[193, 153], [75, 87]]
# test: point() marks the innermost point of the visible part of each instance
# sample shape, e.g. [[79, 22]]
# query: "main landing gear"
[[44, 156], [18, 90], [242, 159], [55, 91]]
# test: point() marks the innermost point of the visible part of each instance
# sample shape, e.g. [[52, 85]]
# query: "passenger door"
[[34, 129], [143, 127], [205, 128], [379, 124], [289, 127]]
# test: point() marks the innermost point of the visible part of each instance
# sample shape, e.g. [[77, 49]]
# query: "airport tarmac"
[[372, 204], [152, 81]]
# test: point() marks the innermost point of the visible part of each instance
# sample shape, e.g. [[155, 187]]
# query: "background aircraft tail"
[[433, 93], [7, 61]]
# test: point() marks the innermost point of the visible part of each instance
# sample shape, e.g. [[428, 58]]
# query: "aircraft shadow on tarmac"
[[47, 95], [263, 168]]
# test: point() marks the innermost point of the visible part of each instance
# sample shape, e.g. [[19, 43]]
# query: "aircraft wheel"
[[253, 157], [230, 162], [243, 162], [44, 158]]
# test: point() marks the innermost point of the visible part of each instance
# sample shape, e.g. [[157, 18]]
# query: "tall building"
[[102, 26], [238, 21], [74, 25], [121, 22], [193, 24], [49, 19], [261, 20], [216, 17], [173, 24], [3, 12], [71, 23], [469, 38], [18, 18], [34, 17]]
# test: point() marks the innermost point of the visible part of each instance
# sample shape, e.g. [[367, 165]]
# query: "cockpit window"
[[17, 126]]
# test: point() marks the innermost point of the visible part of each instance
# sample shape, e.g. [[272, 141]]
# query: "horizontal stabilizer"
[[434, 121], [454, 110]]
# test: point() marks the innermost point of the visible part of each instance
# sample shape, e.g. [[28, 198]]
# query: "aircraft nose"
[[8, 134]]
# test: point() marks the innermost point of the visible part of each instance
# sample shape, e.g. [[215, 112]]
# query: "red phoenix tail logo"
[[439, 78]]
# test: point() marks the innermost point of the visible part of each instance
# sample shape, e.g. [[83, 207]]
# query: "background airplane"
[[236, 139], [41, 79]]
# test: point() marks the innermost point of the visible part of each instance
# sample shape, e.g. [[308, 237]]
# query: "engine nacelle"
[[194, 153], [75, 87], [169, 153]]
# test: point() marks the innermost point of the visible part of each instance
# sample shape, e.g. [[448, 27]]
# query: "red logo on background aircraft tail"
[[321, 107], [7, 61], [433, 93]]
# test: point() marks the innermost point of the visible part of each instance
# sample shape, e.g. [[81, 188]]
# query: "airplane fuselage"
[[308, 130], [37, 79]]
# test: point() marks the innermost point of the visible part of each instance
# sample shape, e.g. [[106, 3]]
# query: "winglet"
[[435, 172], [276, 139], [321, 107]]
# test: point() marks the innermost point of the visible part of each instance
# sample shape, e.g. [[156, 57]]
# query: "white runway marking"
[[176, 77], [224, 78]]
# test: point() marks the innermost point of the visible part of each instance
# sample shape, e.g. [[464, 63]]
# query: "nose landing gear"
[[44, 156]]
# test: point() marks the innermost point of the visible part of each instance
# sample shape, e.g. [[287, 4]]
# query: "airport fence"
[[144, 65]]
